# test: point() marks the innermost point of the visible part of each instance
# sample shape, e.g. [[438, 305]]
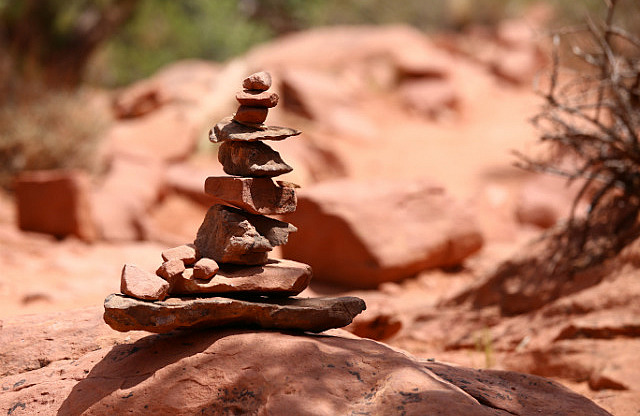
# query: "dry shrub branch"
[[591, 119]]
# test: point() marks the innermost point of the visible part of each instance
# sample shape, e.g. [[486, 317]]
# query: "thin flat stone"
[[229, 235], [227, 129], [253, 159], [277, 277], [257, 98], [123, 313], [257, 81], [254, 195], [141, 284]]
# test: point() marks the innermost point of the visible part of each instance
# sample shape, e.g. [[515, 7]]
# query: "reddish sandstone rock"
[[253, 115], [429, 97], [142, 285], [257, 98], [227, 129], [55, 202], [361, 234], [229, 235], [259, 81], [254, 195], [205, 269], [251, 372], [171, 270], [253, 159], [186, 253], [277, 278]]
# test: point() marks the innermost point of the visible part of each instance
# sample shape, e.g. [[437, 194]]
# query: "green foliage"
[[164, 31]]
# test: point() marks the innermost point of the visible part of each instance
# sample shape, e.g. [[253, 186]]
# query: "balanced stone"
[[205, 269], [123, 313], [276, 278], [257, 98], [186, 253], [141, 284], [258, 81], [251, 115], [229, 235], [253, 159], [227, 129], [170, 270], [254, 195]]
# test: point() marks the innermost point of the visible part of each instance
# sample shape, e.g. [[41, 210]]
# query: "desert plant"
[[591, 119], [56, 130]]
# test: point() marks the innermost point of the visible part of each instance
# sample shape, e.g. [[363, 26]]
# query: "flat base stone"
[[276, 278], [227, 129], [123, 313]]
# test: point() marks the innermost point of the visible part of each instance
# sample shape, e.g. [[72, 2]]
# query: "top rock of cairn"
[[246, 125]]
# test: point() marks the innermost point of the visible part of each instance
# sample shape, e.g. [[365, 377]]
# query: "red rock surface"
[[55, 202], [362, 234], [243, 372]]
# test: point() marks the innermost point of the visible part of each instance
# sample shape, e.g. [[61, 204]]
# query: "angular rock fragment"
[[229, 235], [205, 269], [187, 253], [253, 159], [276, 278], [227, 129], [252, 115], [257, 98], [170, 270], [254, 195], [123, 313], [258, 81], [141, 284]]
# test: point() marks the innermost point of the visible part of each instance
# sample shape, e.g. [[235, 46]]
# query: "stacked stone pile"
[[226, 277]]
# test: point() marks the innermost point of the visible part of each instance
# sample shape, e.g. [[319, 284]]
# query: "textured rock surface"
[[277, 277], [361, 234], [258, 81], [186, 253], [251, 372], [253, 115], [257, 98], [123, 313], [170, 270], [205, 269], [141, 284], [228, 235], [55, 202], [254, 159], [254, 195], [227, 129]]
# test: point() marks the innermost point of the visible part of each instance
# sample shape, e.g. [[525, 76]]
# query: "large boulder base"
[[277, 278], [123, 313], [361, 234], [260, 372]]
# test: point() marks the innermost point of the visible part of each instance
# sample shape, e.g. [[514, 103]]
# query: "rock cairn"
[[225, 278]]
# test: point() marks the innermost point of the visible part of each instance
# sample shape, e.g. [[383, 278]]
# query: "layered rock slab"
[[123, 313], [253, 159], [254, 195], [227, 129], [229, 235], [276, 278]]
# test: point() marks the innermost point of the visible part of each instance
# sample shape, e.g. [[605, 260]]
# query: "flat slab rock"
[[277, 277], [123, 313], [227, 129]]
